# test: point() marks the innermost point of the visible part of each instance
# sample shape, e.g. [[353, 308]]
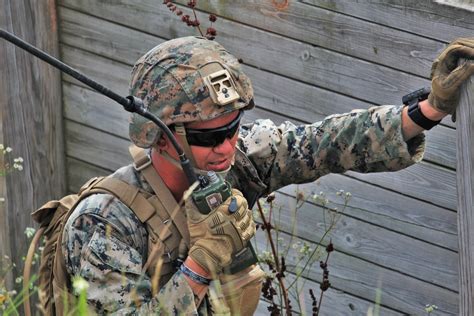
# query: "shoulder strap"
[[128, 194], [143, 163]]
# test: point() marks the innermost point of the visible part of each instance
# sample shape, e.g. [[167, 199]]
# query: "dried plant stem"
[[279, 276], [196, 19], [333, 223], [322, 292]]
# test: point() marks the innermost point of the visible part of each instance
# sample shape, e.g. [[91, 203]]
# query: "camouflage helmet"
[[186, 80]]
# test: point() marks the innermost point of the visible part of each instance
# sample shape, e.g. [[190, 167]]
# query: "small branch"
[[279, 274], [325, 283], [197, 24]]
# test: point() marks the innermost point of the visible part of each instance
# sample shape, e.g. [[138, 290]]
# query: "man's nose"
[[224, 147]]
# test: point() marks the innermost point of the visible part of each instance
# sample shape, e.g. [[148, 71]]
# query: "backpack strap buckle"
[[142, 163]]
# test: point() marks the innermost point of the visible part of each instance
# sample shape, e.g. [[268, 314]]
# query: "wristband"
[[194, 276], [414, 112]]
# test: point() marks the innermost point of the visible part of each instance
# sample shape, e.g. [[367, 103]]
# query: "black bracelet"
[[194, 276], [412, 100], [414, 112]]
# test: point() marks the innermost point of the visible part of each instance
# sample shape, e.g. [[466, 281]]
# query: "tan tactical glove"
[[214, 237], [447, 76]]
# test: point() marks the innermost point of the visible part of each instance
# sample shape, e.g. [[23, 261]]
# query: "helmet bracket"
[[221, 87]]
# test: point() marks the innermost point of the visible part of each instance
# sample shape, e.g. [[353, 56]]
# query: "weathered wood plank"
[[78, 172], [327, 69], [465, 182], [94, 110], [334, 302], [78, 30], [423, 181], [421, 17], [360, 278], [5, 249], [95, 147], [440, 146], [271, 92], [106, 37], [30, 102], [103, 38], [394, 211], [329, 29], [114, 75], [372, 243]]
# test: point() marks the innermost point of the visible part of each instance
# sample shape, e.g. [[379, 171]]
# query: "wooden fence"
[[307, 59], [32, 120], [465, 151]]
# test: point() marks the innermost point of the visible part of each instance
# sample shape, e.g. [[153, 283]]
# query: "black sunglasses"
[[211, 137]]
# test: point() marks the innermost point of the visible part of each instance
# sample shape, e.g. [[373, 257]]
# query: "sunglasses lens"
[[213, 137]]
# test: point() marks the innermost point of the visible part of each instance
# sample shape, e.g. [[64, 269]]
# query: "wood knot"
[[280, 4], [305, 55]]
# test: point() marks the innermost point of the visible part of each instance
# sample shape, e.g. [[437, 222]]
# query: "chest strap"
[[143, 163]]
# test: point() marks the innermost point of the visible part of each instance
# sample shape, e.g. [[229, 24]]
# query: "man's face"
[[216, 158]]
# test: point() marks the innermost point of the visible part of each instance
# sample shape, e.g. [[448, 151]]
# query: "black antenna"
[[129, 103]]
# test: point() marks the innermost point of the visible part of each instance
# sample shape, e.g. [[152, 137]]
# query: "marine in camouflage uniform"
[[105, 243]]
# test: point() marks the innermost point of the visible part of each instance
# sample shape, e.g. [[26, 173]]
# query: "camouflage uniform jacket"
[[105, 243]]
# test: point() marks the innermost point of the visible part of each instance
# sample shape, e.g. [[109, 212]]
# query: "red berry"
[[211, 31]]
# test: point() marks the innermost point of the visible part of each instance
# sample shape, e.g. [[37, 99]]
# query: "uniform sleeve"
[[363, 140], [105, 244]]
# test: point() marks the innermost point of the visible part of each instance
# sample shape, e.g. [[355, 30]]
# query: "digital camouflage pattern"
[[107, 245], [169, 80], [362, 140]]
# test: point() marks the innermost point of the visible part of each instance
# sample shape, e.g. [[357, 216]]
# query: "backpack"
[[166, 228]]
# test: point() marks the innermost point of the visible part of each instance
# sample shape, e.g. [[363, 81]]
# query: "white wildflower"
[[79, 284], [29, 232]]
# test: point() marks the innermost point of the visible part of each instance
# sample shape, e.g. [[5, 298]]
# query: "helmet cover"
[[174, 80]]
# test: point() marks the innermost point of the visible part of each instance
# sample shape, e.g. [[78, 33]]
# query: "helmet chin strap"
[[181, 133]]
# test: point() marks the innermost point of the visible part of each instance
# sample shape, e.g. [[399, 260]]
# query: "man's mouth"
[[220, 164]]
